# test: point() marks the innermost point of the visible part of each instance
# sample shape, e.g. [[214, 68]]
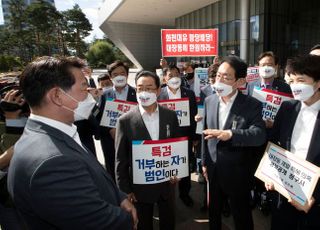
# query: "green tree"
[[78, 27], [100, 54]]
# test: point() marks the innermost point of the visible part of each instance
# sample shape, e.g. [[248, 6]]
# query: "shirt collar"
[[177, 92], [315, 106], [264, 85], [143, 112], [70, 130], [125, 89]]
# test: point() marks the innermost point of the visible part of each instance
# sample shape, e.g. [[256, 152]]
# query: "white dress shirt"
[[151, 121], [67, 129], [224, 109], [123, 94], [172, 95], [303, 129]]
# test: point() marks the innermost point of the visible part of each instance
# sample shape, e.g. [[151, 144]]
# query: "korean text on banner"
[[181, 107], [271, 101], [189, 42], [292, 176], [113, 109], [157, 161]]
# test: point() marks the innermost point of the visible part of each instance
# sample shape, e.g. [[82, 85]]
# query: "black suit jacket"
[[277, 85], [131, 127], [56, 184], [232, 158], [189, 131], [282, 133]]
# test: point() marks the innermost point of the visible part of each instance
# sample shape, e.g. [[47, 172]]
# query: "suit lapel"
[[291, 122], [162, 123], [314, 148], [214, 113]]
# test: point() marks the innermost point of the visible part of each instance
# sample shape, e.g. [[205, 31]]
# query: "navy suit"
[[277, 85], [56, 184], [285, 215], [107, 142], [229, 162], [190, 131]]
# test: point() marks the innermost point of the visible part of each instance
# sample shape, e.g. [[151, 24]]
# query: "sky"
[[89, 8]]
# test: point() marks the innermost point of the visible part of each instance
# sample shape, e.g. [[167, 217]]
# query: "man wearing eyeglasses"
[[148, 121], [232, 124]]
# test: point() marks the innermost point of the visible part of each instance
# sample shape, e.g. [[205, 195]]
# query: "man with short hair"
[[232, 124], [148, 121], [54, 181]]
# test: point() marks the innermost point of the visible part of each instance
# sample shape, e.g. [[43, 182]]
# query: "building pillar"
[[244, 29]]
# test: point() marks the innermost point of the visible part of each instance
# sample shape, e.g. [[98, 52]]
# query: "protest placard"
[[189, 42], [113, 109], [200, 80], [157, 161], [292, 176], [271, 101], [181, 107], [200, 123]]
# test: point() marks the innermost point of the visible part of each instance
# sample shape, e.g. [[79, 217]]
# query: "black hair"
[[169, 68], [104, 76], [117, 64], [212, 70], [307, 64], [238, 65], [269, 54], [146, 73], [46, 73]]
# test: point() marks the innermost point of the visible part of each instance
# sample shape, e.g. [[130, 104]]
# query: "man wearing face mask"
[[54, 181], [174, 90], [118, 72], [148, 121], [188, 70], [232, 124], [296, 129]]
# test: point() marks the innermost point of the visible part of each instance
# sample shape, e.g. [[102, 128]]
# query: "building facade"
[[286, 27]]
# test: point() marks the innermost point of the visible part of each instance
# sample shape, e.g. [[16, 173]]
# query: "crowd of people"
[[51, 178]]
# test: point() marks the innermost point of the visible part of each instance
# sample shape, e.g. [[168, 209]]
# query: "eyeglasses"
[[147, 89], [225, 77]]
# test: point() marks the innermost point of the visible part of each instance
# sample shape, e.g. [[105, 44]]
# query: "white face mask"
[[174, 82], [222, 89], [83, 110], [119, 81], [267, 71], [302, 92], [146, 99]]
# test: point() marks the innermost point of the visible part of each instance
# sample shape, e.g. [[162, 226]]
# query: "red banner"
[[189, 42]]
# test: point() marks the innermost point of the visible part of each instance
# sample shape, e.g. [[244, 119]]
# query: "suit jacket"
[[130, 126], [205, 92], [56, 184], [185, 93], [232, 158], [277, 85], [282, 133]]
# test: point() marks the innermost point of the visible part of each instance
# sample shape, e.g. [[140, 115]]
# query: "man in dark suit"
[[232, 124], [118, 72], [297, 129], [174, 90], [54, 181], [148, 121]]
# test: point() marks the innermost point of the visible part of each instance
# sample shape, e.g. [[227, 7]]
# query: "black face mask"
[[189, 76]]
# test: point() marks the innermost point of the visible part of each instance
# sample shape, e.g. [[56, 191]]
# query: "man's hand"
[[223, 135], [304, 208], [269, 186], [174, 180], [13, 97], [112, 133], [198, 118], [96, 93], [128, 207], [269, 123], [132, 198], [205, 172]]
